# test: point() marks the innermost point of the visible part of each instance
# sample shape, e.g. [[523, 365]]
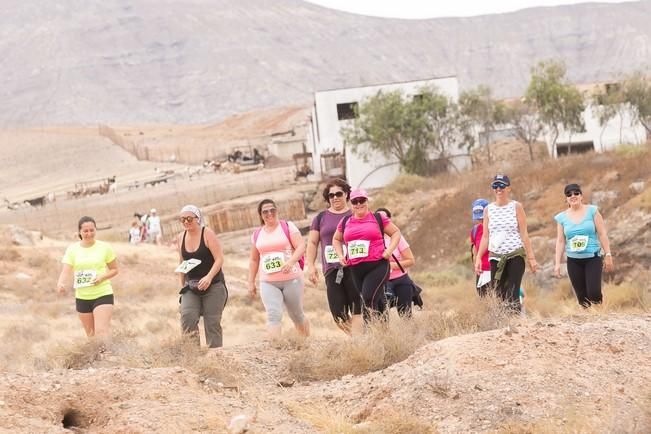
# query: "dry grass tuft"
[[330, 421], [383, 345], [76, 356], [10, 254], [207, 364]]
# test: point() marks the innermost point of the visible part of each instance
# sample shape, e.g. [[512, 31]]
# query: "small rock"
[[2, 403], [20, 237], [23, 276], [124, 405], [239, 424], [637, 187], [287, 382], [611, 176]]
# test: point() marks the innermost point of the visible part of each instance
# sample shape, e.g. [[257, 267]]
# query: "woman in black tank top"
[[207, 261], [204, 291]]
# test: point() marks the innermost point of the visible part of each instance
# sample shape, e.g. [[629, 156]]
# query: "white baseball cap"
[[153, 210]]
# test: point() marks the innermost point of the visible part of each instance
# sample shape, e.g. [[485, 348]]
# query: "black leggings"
[[369, 278], [403, 289], [343, 298], [585, 275], [508, 287]]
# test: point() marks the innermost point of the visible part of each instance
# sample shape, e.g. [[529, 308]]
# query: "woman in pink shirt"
[[277, 249], [400, 284], [367, 256]]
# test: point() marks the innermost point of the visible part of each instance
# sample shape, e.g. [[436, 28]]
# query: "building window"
[[574, 148], [347, 110]]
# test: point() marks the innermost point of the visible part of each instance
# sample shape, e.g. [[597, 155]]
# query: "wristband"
[[608, 254]]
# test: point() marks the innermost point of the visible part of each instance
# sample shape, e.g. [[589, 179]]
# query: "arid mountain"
[[135, 61]]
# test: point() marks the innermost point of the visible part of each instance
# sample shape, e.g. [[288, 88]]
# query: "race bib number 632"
[[84, 278]]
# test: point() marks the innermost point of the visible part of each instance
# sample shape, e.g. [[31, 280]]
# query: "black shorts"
[[88, 306]]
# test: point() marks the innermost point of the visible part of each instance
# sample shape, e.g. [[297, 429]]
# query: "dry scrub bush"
[[382, 345], [10, 254], [76, 356], [330, 421], [184, 352]]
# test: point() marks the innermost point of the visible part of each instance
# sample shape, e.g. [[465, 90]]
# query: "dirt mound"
[[595, 369], [586, 370]]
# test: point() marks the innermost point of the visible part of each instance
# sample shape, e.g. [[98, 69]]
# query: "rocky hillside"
[[184, 62]]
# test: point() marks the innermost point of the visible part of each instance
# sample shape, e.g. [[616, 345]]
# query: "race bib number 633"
[[273, 262]]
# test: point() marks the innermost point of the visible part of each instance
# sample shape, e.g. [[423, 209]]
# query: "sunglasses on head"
[[335, 194], [187, 219], [573, 193], [269, 211], [498, 185], [358, 200]]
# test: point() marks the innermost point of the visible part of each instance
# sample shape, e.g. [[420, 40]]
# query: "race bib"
[[495, 241], [358, 249], [187, 265], [84, 278], [331, 256], [578, 243], [272, 262]]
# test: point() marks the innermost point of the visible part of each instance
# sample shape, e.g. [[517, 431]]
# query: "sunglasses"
[[269, 211], [573, 193], [187, 219], [336, 194], [498, 185], [358, 201]]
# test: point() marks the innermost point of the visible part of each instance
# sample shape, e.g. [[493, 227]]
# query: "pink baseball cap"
[[360, 192]]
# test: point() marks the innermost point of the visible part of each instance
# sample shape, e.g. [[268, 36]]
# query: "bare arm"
[[483, 244], [560, 247], [110, 273], [407, 259], [64, 278], [310, 257], [337, 244], [254, 263], [392, 231], [600, 226], [524, 235], [299, 247], [179, 240]]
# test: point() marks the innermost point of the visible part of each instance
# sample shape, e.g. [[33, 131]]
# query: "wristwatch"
[[608, 254]]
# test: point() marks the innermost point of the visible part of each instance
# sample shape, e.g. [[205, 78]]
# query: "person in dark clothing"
[[204, 290]]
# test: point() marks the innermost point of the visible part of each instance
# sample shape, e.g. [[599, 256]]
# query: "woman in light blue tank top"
[[581, 233]]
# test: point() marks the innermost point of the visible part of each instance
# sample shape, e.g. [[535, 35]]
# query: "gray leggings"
[[289, 292], [210, 304]]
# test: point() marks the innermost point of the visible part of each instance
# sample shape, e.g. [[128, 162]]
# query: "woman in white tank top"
[[507, 240]]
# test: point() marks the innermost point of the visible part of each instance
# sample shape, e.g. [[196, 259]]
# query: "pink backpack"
[[285, 226]]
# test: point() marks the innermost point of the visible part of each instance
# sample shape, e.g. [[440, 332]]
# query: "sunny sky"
[[431, 8]]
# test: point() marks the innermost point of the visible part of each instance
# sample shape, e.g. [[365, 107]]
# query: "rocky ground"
[[592, 371]]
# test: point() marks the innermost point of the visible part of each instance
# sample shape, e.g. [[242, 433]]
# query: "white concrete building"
[[335, 108], [622, 129]]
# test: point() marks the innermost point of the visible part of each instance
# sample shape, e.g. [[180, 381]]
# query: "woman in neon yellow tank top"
[[89, 264]]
